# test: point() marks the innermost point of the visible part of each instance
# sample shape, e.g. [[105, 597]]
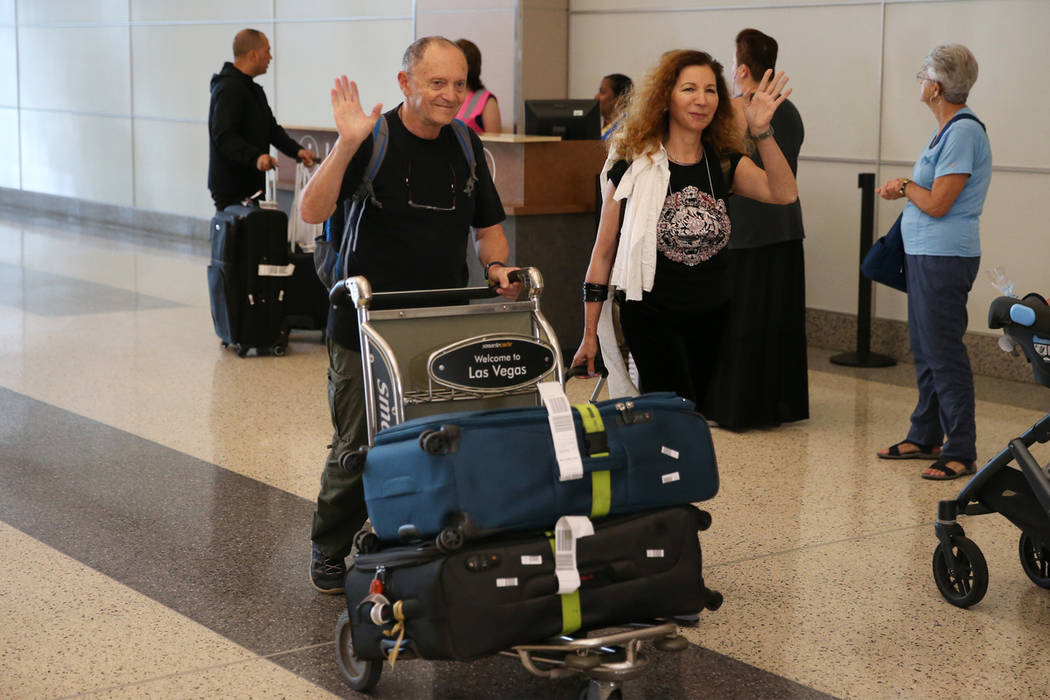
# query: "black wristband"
[[595, 292], [488, 266]]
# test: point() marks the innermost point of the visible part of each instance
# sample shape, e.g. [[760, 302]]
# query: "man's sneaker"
[[326, 575]]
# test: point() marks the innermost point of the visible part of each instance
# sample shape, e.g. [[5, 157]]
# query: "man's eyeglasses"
[[430, 207]]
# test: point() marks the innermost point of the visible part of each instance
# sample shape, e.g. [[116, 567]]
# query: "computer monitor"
[[570, 119]]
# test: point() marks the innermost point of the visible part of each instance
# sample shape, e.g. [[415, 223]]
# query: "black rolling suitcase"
[[306, 304], [248, 278], [496, 593]]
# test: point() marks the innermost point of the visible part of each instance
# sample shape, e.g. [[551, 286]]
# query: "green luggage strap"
[[571, 617], [597, 443]]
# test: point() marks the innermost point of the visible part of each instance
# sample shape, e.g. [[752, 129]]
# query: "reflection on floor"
[[155, 496]]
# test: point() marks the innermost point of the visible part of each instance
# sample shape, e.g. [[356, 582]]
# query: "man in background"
[[241, 126]]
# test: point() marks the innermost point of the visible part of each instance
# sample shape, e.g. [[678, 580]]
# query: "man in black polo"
[[416, 239], [241, 126]]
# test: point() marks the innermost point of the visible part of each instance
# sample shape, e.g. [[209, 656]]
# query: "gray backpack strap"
[[380, 141], [364, 194], [462, 132]]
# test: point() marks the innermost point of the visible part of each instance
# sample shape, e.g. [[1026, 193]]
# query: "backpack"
[[338, 240]]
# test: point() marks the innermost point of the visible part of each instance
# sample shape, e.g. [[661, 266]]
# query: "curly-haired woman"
[[676, 159]]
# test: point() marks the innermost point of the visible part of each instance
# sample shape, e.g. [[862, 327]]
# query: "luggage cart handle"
[[422, 297]]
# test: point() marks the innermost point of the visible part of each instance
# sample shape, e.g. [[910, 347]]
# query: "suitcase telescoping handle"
[[581, 371], [424, 297]]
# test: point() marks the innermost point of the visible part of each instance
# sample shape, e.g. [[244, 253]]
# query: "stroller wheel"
[[361, 675], [969, 582], [1035, 560]]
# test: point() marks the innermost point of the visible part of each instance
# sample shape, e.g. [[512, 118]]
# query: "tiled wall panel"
[[72, 11], [9, 148], [368, 52], [171, 167], [76, 155], [75, 68], [179, 89]]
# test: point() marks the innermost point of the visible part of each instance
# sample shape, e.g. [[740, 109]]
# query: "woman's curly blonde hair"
[[645, 127]]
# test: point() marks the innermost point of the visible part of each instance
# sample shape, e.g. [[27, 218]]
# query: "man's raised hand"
[[350, 120]]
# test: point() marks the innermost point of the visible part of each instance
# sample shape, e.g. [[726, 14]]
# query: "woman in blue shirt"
[[945, 196]]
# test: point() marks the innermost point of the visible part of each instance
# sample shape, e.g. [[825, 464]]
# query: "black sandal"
[[946, 472], [924, 451]]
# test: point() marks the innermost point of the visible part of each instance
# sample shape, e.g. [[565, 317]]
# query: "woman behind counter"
[[480, 110], [611, 95], [945, 196], [675, 161]]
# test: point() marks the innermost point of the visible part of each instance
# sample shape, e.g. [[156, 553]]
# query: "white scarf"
[[644, 186]]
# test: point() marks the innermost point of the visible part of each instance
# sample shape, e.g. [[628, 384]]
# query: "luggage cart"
[[419, 353]]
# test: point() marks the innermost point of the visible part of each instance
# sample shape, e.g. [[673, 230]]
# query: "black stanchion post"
[[864, 357]]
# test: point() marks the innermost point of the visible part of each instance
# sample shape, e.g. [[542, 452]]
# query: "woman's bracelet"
[[761, 137], [595, 292]]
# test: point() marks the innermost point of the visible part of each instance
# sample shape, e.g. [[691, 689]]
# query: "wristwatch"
[[904, 185], [490, 266]]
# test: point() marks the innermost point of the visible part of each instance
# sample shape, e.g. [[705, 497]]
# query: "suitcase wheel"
[[241, 350], [450, 539], [363, 676], [366, 542], [714, 599], [279, 350], [441, 442]]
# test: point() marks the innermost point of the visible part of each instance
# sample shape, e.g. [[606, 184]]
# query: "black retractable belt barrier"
[[863, 357]]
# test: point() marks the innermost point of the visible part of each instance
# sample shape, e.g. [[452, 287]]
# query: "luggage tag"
[[567, 530], [563, 431]]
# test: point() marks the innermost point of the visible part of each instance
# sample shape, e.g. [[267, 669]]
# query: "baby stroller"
[[1021, 495]]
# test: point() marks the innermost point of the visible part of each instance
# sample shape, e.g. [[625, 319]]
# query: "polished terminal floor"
[[156, 493]]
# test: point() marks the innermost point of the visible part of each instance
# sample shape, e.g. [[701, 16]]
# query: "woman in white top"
[[676, 159]]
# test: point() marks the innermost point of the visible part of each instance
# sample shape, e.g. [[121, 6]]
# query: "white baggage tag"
[[563, 432], [567, 530], [276, 270]]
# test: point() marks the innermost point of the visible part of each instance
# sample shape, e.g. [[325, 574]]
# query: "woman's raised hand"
[[765, 100], [350, 120]]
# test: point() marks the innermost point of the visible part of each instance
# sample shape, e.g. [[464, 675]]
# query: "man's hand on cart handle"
[[498, 277]]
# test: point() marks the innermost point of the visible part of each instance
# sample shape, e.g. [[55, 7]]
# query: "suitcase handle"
[[581, 371]]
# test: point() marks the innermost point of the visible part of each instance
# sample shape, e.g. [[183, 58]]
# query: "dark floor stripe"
[[231, 553]]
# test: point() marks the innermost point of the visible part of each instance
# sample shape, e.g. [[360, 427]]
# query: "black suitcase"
[[247, 278], [306, 304], [494, 594]]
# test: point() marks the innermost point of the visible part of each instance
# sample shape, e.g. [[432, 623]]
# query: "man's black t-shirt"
[[418, 235], [692, 233]]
